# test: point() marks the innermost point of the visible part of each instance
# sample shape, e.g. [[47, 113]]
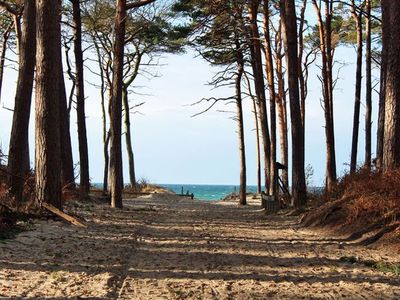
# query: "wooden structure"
[[272, 203]]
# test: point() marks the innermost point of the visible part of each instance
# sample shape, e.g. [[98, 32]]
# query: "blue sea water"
[[207, 192], [212, 192]]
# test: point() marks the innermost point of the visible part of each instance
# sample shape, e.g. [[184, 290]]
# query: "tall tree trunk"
[[368, 78], [282, 110], [325, 33], [67, 162], [127, 121], [331, 161], [298, 176], [257, 130], [18, 31], [357, 100], [115, 172], [84, 185], [257, 147], [128, 137], [269, 68], [48, 150], [382, 93], [106, 135], [302, 80], [18, 157], [6, 36], [239, 112], [242, 151], [391, 142], [106, 162], [256, 62]]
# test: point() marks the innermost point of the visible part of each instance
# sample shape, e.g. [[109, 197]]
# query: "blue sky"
[[172, 147]]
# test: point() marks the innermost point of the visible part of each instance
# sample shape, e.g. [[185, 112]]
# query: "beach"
[[162, 246]]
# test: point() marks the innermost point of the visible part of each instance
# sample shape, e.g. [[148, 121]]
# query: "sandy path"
[[165, 247]]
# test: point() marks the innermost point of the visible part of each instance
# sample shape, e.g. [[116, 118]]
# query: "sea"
[[207, 192], [210, 192]]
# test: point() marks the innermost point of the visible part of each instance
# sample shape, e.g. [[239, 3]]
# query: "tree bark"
[[257, 130], [18, 157], [106, 135], [325, 33], [67, 162], [298, 176], [385, 5], [257, 147], [128, 137], [115, 171], [269, 68], [84, 185], [48, 152], [256, 62], [127, 118], [391, 142], [302, 80], [368, 88], [357, 100], [384, 57], [331, 158], [6, 36], [282, 107], [239, 112]]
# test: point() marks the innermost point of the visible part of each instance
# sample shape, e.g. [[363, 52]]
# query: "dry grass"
[[373, 195], [362, 202], [143, 186]]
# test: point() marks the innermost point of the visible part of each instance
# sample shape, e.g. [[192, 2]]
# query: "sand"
[[167, 247]]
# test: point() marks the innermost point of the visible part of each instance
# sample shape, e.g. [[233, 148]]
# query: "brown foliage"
[[361, 201], [373, 195]]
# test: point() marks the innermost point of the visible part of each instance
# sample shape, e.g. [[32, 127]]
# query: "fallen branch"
[[63, 215]]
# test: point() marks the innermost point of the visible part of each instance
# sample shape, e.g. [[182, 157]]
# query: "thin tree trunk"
[[331, 161], [269, 68], [128, 137], [239, 111], [84, 185], [357, 99], [302, 81], [391, 142], [327, 82], [299, 191], [256, 120], [115, 172], [385, 5], [18, 31], [256, 62], [282, 111], [6, 36], [257, 147], [67, 162], [106, 162], [106, 135], [242, 151], [127, 121], [48, 151], [18, 157], [368, 78]]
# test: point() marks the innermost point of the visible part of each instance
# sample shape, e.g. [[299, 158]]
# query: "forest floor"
[[168, 247]]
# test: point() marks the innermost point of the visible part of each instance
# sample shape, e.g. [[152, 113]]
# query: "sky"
[[172, 147]]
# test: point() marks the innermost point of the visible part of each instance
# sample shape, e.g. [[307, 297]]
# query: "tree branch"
[[139, 3], [13, 9]]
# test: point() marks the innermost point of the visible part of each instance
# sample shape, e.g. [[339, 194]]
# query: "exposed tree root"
[[377, 236]]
